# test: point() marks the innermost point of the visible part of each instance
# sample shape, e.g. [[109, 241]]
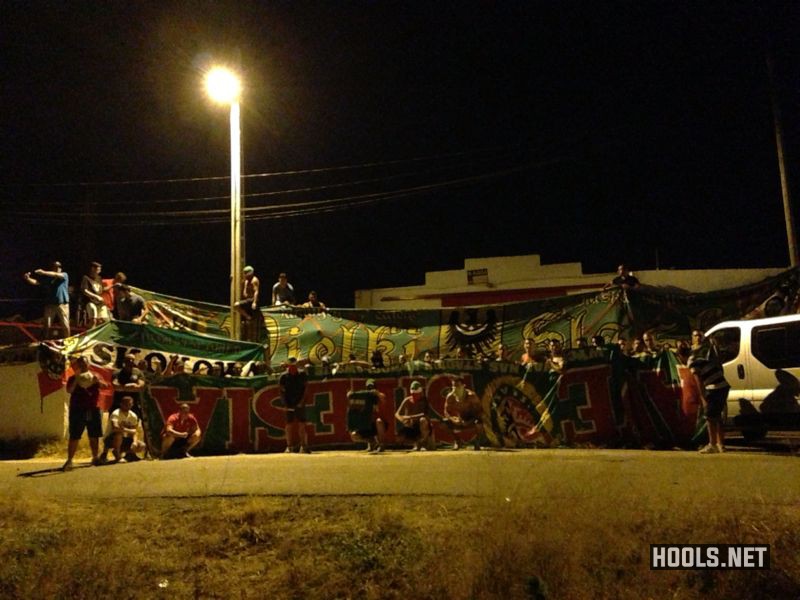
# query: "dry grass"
[[346, 547]]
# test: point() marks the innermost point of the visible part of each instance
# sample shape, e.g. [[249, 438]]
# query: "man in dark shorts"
[[84, 390], [706, 368], [413, 417], [181, 433], [251, 288], [463, 411], [293, 388], [363, 417]]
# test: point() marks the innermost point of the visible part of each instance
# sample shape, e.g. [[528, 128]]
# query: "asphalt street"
[[740, 475]]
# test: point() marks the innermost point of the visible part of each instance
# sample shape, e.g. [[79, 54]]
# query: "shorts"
[[247, 306], [127, 442], [469, 420], [296, 413], [410, 433], [97, 311], [59, 311], [715, 403], [88, 419]]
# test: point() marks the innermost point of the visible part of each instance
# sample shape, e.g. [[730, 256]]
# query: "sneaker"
[[369, 447], [456, 445], [67, 466], [476, 445], [304, 450], [379, 448], [423, 449], [96, 461], [720, 448], [709, 449], [288, 450], [132, 458], [416, 447], [103, 460], [186, 454], [122, 460]]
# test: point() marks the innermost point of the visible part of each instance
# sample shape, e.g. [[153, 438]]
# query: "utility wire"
[[276, 211]]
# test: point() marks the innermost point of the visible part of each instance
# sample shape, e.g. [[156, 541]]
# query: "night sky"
[[385, 139]]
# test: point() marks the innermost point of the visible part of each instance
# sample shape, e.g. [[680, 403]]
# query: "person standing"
[[130, 306], [292, 384], [248, 305], [84, 390], [706, 368], [56, 286], [92, 295], [282, 291]]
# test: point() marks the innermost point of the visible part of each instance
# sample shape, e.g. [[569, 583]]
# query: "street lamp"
[[224, 87]]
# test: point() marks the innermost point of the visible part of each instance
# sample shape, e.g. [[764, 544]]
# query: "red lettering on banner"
[[667, 399], [202, 406], [268, 409], [591, 408], [239, 400]]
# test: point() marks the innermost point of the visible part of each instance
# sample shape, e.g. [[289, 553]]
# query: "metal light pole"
[[224, 87]]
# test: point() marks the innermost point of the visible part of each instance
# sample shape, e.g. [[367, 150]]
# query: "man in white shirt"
[[123, 435]]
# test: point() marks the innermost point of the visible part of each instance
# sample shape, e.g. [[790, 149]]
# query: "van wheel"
[[753, 435]]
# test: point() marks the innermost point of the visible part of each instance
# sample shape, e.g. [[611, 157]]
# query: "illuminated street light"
[[223, 86]]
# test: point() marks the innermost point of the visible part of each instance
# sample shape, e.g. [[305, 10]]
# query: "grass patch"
[[346, 547]]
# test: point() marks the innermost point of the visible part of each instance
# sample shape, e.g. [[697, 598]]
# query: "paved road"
[[739, 475]]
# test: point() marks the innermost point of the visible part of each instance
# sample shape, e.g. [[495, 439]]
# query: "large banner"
[[154, 348], [334, 335], [608, 400]]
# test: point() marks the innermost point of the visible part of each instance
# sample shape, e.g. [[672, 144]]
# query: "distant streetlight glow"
[[224, 87]]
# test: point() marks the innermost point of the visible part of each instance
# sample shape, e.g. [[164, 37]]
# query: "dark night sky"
[[582, 131]]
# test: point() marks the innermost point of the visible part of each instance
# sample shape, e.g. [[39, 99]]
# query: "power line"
[[250, 176], [211, 216]]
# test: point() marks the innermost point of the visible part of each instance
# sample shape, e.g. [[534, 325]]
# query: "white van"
[[761, 358]]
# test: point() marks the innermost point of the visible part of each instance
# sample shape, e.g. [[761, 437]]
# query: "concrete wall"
[[515, 278], [23, 414]]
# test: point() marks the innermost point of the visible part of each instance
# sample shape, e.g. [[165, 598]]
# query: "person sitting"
[[123, 436], [463, 410], [625, 279], [412, 414], [314, 302], [181, 433], [282, 292], [247, 307], [363, 418]]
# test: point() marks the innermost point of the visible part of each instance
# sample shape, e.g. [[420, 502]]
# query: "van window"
[[727, 341], [777, 346]]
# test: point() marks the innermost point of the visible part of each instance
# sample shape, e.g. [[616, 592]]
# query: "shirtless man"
[[248, 305], [413, 417], [463, 410]]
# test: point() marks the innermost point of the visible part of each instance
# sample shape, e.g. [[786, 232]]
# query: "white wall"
[[23, 414], [527, 272]]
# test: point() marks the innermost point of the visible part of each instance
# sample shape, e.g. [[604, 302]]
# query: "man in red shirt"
[[181, 432]]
